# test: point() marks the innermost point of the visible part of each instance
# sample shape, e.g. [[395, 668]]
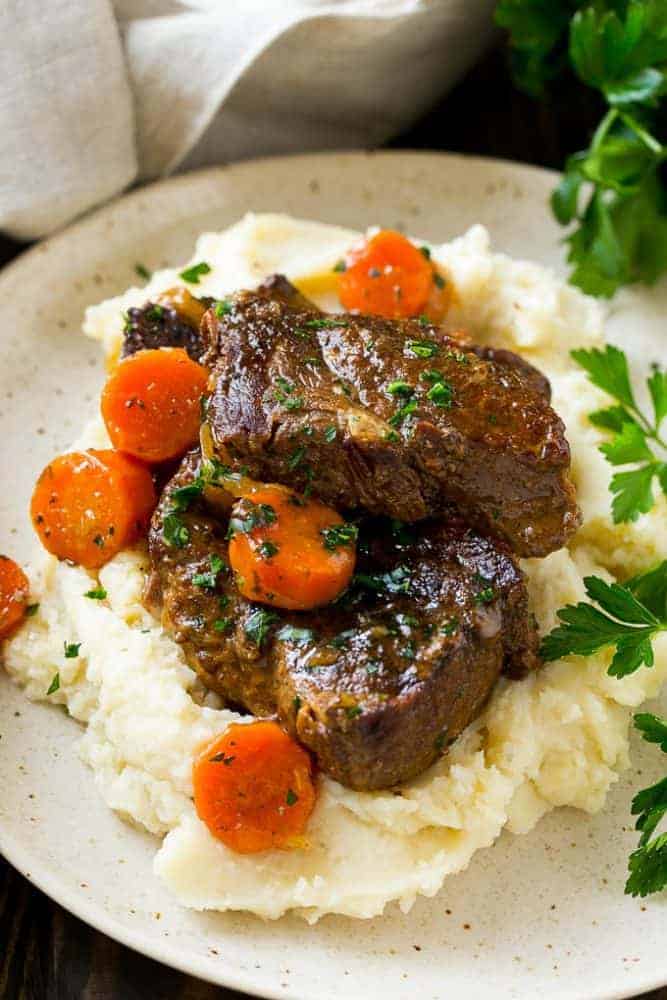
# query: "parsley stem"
[[650, 429], [649, 140], [604, 126]]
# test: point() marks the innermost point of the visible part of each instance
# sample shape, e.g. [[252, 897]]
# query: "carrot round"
[[289, 550], [89, 505], [14, 590], [253, 788], [386, 275], [151, 404]]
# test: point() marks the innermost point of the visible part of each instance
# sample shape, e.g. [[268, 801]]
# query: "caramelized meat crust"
[[393, 417], [375, 685]]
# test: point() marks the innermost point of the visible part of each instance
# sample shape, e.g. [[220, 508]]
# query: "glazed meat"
[[389, 416], [171, 322], [375, 685]]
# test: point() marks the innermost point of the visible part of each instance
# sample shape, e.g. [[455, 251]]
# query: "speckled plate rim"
[[19, 855]]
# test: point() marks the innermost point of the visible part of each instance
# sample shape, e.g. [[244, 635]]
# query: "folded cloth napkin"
[[95, 95]]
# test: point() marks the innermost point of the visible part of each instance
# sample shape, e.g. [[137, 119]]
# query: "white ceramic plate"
[[540, 915]]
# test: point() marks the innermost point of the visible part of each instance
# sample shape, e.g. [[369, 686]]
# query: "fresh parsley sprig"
[[628, 617], [648, 863], [614, 192], [635, 435]]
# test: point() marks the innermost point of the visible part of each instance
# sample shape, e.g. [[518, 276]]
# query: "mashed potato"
[[560, 737]]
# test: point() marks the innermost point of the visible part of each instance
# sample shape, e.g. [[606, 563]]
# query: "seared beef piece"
[[532, 376], [157, 324], [412, 433], [383, 679]]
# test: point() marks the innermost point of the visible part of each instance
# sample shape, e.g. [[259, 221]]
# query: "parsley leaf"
[[290, 633], [54, 685], [208, 579], [624, 621], [258, 624], [339, 534], [422, 348], [71, 650], [632, 490], [397, 581], [653, 729], [96, 594], [193, 274], [620, 50], [648, 864]]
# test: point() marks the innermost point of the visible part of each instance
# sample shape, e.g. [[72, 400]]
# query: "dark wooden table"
[[45, 953]]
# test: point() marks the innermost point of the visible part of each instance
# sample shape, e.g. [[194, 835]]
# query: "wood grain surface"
[[47, 954]]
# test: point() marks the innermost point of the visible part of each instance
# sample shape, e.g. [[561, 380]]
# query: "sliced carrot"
[[253, 788], [14, 590], [289, 550], [151, 404], [89, 505], [386, 275]]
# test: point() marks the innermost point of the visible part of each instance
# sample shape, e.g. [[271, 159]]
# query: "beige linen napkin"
[[94, 95]]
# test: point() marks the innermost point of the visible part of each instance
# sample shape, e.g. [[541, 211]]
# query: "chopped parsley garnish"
[[268, 549], [409, 650], [220, 758], [223, 308], [208, 579], [425, 251], [31, 610], [340, 266], [485, 596], [440, 393], [422, 348], [254, 515], [258, 624], [628, 618], [223, 624], [142, 271], [392, 436], [438, 280], [290, 633], [330, 434], [341, 640], [397, 581], [353, 711], [96, 594], [401, 415], [155, 313], [296, 458], [431, 375], [54, 685], [338, 535], [322, 324], [450, 627], [632, 489], [174, 531], [284, 394], [400, 388], [291, 798], [71, 650], [648, 863], [296, 703], [194, 273], [458, 356]]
